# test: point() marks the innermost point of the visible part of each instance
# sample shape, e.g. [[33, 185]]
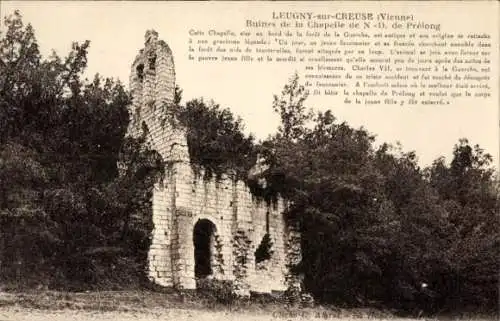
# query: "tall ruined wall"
[[241, 224], [184, 198], [152, 85]]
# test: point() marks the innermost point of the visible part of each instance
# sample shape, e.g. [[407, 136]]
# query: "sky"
[[116, 33]]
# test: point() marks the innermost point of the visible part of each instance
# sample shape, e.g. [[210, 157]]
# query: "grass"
[[166, 305]]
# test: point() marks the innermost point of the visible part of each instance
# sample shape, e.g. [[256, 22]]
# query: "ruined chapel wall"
[[183, 197], [198, 199], [234, 211], [160, 253], [152, 85], [270, 275]]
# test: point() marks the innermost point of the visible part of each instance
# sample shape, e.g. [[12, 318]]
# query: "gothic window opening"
[[263, 251], [140, 72]]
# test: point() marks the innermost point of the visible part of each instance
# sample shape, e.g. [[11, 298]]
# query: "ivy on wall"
[[216, 142]]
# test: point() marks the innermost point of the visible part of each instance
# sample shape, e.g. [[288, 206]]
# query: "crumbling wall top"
[[151, 37], [152, 45]]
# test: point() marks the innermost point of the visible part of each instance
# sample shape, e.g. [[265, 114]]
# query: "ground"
[[147, 305]]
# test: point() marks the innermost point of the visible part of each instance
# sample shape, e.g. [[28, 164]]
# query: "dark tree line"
[[377, 229], [67, 218]]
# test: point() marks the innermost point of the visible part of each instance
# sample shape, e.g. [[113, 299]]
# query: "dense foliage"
[[376, 228], [215, 137], [67, 216]]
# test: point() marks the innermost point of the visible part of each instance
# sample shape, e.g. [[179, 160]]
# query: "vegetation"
[[67, 217], [215, 138], [377, 229]]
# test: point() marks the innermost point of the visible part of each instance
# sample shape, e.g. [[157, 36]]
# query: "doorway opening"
[[203, 239]]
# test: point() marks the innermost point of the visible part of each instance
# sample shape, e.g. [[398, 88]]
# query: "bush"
[[219, 290]]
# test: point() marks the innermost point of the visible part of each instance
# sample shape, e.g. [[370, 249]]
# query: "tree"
[[326, 172], [215, 138], [469, 192], [61, 138], [290, 107], [376, 226]]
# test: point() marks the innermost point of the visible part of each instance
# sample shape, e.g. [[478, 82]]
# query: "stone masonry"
[[183, 200]]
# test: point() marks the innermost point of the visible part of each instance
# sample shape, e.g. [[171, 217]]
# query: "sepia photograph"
[[249, 160]]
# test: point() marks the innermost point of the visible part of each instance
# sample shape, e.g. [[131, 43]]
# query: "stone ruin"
[[203, 229]]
